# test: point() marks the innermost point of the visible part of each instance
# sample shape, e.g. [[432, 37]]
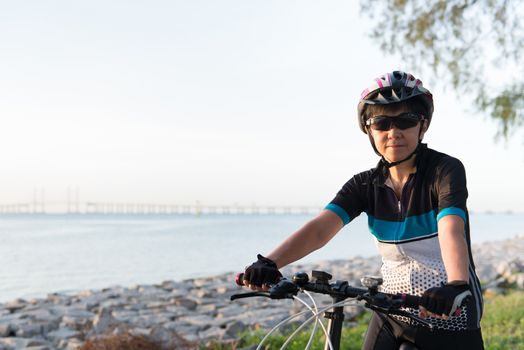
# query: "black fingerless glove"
[[445, 300], [263, 271]]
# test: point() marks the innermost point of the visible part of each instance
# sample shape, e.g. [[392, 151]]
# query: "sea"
[[48, 253]]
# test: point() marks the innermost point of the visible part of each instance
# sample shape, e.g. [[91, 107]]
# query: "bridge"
[[120, 208]]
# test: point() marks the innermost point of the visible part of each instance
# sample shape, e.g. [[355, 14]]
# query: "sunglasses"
[[402, 121]]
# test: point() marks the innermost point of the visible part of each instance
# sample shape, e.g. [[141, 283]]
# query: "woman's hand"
[[442, 302], [261, 274]]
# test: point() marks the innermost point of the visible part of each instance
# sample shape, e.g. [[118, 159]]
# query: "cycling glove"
[[261, 272], [445, 300]]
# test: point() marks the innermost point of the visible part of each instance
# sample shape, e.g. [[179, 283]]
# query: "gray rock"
[[233, 329], [147, 312], [35, 343], [179, 292], [40, 314], [14, 342], [113, 292], [170, 339], [124, 315], [57, 298], [152, 291], [69, 344], [171, 285], [134, 305], [29, 330], [58, 310], [24, 343], [224, 288], [143, 332], [161, 335], [5, 329], [182, 328], [519, 280], [177, 311], [112, 304], [15, 305], [62, 333], [212, 333], [203, 321], [229, 311], [148, 321], [85, 293], [202, 282], [187, 303], [208, 309], [72, 344], [157, 304], [78, 313], [353, 311], [202, 293], [486, 272], [102, 321], [75, 323]]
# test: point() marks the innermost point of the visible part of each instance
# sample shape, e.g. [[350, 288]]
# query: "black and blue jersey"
[[405, 229]]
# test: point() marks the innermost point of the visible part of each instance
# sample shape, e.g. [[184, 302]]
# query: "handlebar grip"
[[239, 279], [411, 301]]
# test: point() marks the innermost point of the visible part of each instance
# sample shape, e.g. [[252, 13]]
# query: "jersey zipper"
[[399, 200], [399, 206], [404, 189]]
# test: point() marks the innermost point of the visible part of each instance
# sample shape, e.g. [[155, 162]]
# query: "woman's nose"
[[394, 132]]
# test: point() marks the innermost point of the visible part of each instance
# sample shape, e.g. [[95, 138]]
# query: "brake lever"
[[393, 309], [284, 289], [249, 295], [422, 321]]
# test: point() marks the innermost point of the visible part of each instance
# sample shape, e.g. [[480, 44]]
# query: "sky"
[[220, 102]]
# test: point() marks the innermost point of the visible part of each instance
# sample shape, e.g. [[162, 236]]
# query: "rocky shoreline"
[[195, 311]]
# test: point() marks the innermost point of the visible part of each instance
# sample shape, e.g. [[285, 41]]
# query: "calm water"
[[43, 254]]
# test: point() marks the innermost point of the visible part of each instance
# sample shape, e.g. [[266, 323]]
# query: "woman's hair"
[[412, 105]]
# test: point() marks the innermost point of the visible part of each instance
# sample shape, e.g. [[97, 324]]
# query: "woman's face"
[[396, 144]]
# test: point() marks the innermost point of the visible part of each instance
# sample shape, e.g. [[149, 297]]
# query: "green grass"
[[352, 338], [503, 322], [502, 329]]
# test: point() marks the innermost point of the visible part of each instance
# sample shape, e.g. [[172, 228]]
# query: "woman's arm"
[[456, 262], [453, 248], [312, 236]]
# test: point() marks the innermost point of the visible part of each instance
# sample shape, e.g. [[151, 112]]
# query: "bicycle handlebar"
[[374, 300], [285, 288]]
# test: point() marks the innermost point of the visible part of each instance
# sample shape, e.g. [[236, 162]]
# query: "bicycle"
[[389, 304]]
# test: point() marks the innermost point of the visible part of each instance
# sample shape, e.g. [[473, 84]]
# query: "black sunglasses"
[[402, 121]]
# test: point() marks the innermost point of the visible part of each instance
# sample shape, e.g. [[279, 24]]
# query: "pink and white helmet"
[[393, 87]]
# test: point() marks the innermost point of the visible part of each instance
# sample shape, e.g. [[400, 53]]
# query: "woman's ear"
[[425, 126]]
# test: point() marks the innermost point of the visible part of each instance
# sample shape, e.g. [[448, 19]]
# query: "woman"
[[415, 199]]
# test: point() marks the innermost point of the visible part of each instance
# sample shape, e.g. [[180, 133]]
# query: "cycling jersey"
[[405, 228]]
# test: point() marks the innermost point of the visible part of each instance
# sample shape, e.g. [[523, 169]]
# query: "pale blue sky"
[[217, 101]]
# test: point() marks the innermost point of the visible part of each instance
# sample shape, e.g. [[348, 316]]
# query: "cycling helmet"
[[393, 87]]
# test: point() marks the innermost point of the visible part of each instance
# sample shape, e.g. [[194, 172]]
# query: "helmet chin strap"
[[392, 164], [388, 164]]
